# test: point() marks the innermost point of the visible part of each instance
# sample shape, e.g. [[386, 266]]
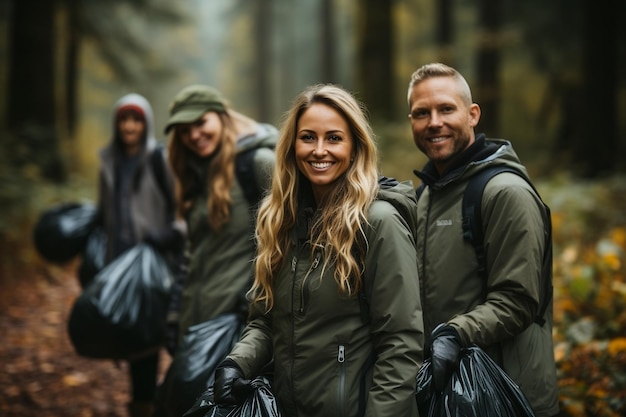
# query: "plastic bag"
[[94, 256], [121, 314], [61, 231], [261, 403], [192, 370], [479, 387]]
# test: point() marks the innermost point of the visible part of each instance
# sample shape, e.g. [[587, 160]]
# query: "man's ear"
[[474, 114]]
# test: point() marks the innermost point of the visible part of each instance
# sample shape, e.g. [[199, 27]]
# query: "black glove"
[[230, 386], [444, 349], [165, 240]]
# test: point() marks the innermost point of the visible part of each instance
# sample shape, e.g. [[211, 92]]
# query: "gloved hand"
[[444, 349], [164, 240], [230, 386]]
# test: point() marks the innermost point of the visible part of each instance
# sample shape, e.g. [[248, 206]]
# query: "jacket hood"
[[503, 154], [137, 100], [401, 195], [265, 136]]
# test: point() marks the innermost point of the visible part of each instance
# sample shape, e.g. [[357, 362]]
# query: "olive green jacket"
[[497, 315], [328, 360], [219, 265]]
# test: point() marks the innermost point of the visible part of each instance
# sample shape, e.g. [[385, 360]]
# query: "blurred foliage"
[[590, 293], [24, 194]]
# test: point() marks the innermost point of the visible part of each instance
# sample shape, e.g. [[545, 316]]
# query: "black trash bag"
[[192, 371], [479, 387], [121, 314], [61, 232], [261, 403], [94, 256]]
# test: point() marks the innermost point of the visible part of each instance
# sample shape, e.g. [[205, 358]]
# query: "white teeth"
[[435, 140], [320, 165]]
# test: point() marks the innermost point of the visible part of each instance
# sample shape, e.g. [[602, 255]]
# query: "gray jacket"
[[149, 208]]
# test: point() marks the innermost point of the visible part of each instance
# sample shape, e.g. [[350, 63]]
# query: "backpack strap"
[[473, 232], [157, 163], [244, 170]]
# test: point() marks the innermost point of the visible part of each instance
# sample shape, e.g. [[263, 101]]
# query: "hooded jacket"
[[328, 361], [149, 207], [219, 265], [497, 315]]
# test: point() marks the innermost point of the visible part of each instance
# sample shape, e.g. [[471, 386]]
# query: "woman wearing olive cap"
[[207, 144]]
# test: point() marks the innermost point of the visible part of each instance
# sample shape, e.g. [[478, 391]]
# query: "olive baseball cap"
[[192, 102]]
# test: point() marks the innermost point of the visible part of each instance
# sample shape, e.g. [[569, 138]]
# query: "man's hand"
[[445, 349]]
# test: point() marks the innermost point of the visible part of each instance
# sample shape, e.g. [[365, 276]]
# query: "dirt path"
[[40, 374]]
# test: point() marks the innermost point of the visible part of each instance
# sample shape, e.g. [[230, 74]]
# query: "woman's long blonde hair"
[[219, 174], [339, 228]]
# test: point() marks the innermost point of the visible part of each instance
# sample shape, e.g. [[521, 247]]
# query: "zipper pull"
[[294, 261], [316, 262], [341, 355]]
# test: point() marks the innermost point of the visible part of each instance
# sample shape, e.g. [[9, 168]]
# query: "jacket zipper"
[[341, 386], [314, 265], [294, 263]]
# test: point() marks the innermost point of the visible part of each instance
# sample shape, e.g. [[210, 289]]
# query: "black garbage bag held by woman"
[[61, 231], [121, 314]]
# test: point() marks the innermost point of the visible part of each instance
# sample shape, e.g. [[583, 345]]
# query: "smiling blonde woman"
[[336, 301]]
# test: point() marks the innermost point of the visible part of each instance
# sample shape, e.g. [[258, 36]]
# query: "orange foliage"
[[590, 288]]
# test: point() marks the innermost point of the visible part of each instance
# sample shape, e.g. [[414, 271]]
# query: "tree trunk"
[[71, 75], [376, 81], [328, 41], [31, 100], [263, 49], [597, 151], [487, 90], [445, 31]]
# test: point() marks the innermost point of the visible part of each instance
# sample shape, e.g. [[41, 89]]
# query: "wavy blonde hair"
[[220, 173], [339, 228]]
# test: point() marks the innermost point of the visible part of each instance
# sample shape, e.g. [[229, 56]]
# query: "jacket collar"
[[477, 151]]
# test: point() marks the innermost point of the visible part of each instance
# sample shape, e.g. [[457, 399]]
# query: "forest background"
[[549, 76]]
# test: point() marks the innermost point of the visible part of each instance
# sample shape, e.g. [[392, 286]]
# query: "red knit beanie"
[[130, 108]]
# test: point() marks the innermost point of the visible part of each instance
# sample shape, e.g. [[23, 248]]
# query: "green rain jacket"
[[219, 265], [328, 360], [497, 315]]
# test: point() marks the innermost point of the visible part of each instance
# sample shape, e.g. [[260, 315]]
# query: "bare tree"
[[597, 149], [31, 115], [34, 117], [487, 89], [263, 53], [375, 57], [445, 30], [328, 41], [577, 43]]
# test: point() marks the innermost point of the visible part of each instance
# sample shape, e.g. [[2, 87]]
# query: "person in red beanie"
[[136, 204]]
